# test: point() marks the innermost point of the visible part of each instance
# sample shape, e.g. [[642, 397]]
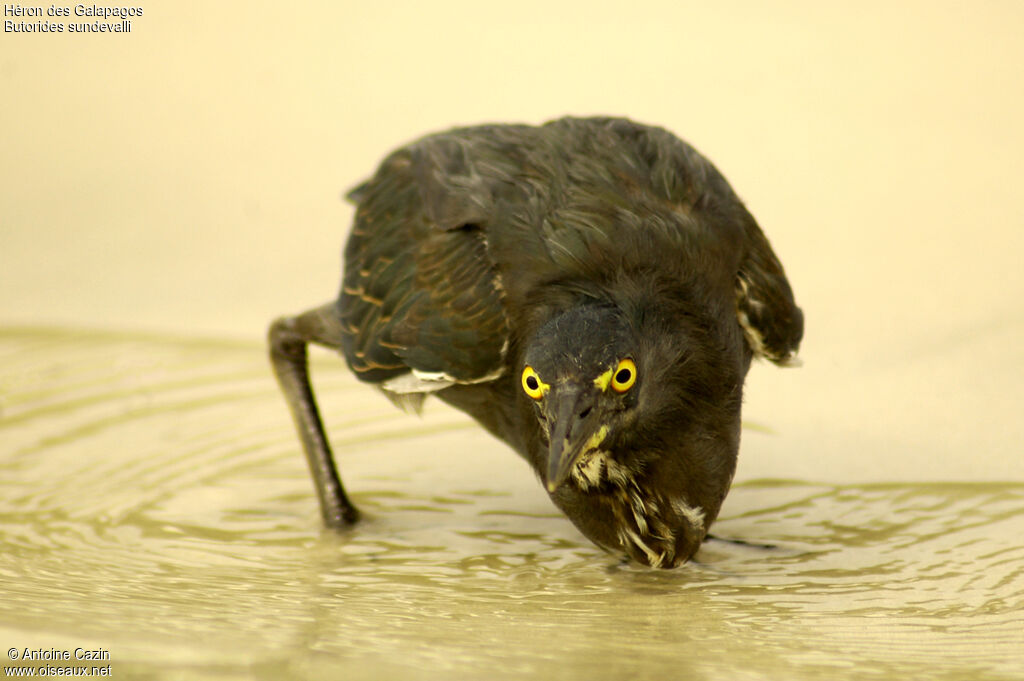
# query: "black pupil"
[[531, 383], [623, 376]]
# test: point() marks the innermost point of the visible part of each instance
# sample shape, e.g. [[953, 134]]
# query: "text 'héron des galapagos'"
[[43, 20]]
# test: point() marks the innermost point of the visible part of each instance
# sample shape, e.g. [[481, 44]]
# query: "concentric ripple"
[[154, 502]]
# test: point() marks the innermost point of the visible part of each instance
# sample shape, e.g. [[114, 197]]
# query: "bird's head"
[[582, 375], [639, 428]]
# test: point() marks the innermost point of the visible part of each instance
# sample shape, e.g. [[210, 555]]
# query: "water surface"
[[155, 503]]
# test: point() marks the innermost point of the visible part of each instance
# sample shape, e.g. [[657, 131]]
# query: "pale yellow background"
[[186, 177]]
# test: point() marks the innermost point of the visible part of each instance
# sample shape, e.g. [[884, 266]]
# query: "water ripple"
[[153, 498]]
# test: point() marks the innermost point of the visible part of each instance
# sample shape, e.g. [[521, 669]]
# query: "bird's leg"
[[288, 337]]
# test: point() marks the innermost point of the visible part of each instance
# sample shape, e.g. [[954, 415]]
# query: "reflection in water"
[[155, 503]]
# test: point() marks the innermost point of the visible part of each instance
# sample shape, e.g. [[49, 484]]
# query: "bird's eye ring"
[[532, 385], [624, 376]]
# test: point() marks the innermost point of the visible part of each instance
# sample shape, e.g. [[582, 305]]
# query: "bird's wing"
[[765, 308], [419, 292], [767, 312]]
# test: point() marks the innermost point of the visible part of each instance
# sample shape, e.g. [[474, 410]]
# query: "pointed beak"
[[574, 429]]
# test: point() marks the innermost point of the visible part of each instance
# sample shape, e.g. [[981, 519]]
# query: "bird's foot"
[[341, 517], [741, 542]]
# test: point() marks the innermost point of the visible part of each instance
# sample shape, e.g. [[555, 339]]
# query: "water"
[[155, 504]]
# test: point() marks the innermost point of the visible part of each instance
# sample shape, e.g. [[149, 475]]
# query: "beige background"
[[185, 178]]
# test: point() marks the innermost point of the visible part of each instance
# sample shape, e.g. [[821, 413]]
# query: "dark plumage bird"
[[591, 291]]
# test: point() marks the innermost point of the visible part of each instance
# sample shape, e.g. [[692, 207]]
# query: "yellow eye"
[[532, 385], [624, 376]]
